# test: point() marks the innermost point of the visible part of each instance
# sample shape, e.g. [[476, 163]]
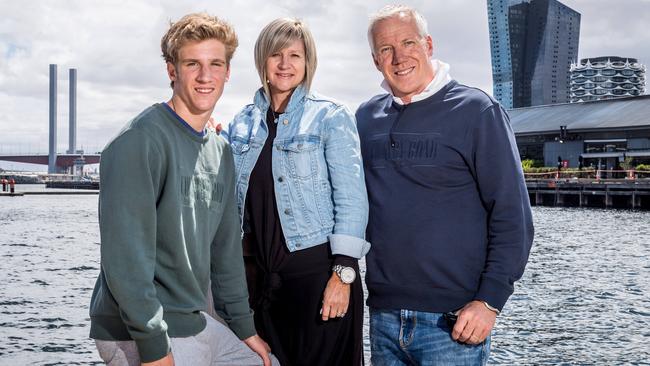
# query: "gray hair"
[[390, 11], [278, 35]]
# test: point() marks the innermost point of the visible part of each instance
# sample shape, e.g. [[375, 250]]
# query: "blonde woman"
[[303, 205]]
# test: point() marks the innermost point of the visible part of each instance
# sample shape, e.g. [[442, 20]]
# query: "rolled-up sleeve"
[[349, 196]]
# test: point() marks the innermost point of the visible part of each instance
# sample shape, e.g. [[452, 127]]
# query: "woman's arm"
[[345, 168]]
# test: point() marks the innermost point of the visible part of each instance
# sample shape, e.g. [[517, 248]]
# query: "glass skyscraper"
[[533, 44]]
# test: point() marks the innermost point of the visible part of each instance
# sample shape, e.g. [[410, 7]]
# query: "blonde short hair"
[[278, 35], [197, 27]]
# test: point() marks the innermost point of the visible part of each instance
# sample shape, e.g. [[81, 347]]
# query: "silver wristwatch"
[[346, 274]]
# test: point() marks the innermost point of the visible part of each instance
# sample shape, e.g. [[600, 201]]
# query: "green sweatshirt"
[[169, 224]]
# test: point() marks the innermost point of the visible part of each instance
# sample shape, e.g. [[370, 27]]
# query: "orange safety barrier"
[[598, 174]]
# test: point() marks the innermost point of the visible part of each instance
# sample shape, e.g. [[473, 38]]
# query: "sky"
[[115, 47]]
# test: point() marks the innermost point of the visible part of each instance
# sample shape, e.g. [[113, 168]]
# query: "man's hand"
[[335, 298], [474, 324], [165, 361], [260, 347]]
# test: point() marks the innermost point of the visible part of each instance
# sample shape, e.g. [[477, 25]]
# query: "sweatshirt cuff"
[[348, 245], [152, 349], [494, 292], [243, 327]]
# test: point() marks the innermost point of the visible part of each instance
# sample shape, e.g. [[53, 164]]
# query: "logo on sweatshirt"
[[408, 148], [202, 189]]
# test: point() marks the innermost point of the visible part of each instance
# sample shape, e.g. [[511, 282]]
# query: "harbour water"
[[584, 299]]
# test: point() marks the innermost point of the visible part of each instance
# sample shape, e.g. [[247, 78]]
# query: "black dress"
[[286, 289]]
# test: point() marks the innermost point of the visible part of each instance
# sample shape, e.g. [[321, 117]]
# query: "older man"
[[450, 219]]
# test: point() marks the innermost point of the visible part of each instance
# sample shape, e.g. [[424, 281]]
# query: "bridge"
[[64, 162], [59, 162]]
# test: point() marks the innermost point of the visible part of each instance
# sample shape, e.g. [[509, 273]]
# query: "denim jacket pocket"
[[300, 154]]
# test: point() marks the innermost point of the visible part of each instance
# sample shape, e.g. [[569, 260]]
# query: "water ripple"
[[584, 298], [584, 294]]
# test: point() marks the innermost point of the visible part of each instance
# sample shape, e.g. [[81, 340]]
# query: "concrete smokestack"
[[72, 136], [51, 166]]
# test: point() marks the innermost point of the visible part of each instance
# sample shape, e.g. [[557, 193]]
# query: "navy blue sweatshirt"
[[450, 218]]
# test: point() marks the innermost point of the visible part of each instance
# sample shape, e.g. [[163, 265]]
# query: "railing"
[[597, 174]]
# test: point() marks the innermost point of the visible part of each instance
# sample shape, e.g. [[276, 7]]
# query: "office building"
[[533, 44]]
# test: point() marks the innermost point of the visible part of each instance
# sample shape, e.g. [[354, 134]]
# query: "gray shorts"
[[216, 345]]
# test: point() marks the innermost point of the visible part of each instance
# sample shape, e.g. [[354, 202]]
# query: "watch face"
[[348, 275]]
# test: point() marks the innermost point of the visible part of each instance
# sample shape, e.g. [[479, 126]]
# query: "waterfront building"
[[606, 77], [533, 44], [602, 133]]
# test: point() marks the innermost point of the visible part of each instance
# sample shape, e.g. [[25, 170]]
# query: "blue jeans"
[[405, 337]]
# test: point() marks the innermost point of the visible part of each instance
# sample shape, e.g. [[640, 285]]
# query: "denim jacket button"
[[285, 122], [287, 211], [298, 245], [280, 179]]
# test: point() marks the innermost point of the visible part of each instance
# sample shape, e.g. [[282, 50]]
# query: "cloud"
[[620, 30], [115, 47]]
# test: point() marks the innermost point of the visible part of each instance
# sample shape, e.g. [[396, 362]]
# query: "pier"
[[73, 184], [614, 193]]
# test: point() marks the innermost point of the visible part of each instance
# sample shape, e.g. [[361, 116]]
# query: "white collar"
[[441, 78]]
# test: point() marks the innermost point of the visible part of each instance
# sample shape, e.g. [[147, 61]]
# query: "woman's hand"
[[335, 298], [214, 126]]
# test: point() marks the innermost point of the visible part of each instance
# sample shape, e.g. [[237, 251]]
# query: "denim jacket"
[[317, 170]]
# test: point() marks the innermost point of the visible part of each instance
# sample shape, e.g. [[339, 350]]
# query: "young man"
[[169, 224], [450, 220]]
